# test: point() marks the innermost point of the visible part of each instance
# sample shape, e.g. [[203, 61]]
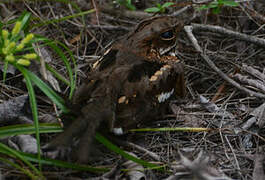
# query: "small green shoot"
[[159, 8], [11, 48], [127, 3], [116, 149], [16, 48], [12, 51], [216, 5]]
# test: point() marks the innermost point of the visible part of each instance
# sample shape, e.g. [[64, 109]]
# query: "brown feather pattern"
[[129, 85]]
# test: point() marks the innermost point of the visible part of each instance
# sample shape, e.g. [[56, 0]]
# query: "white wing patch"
[[164, 96], [118, 131]]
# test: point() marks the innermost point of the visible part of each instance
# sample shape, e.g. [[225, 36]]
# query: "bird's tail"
[[83, 129]]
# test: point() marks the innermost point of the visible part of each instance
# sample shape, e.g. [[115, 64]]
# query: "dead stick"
[[230, 33], [194, 41]]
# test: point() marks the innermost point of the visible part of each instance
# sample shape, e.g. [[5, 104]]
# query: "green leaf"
[[1, 25], [203, 7], [25, 20], [230, 3], [152, 10], [216, 10], [213, 4], [167, 4], [131, 7], [158, 5]]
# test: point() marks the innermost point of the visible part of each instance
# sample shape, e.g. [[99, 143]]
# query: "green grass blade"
[[57, 75], [52, 70], [63, 18], [23, 170], [5, 71], [13, 153], [25, 19], [56, 48], [72, 76], [230, 3], [29, 129], [26, 157], [47, 91], [116, 149], [7, 131], [167, 4], [152, 10], [63, 164], [33, 105]]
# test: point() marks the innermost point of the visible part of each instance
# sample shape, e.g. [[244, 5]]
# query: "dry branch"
[[247, 80], [16, 110], [258, 172], [211, 107], [194, 41], [129, 14], [229, 33], [259, 114], [108, 27], [253, 72]]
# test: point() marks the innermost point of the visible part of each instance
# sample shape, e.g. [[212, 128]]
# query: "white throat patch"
[[164, 96]]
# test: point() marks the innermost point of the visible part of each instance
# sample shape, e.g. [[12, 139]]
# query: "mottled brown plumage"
[[129, 85]]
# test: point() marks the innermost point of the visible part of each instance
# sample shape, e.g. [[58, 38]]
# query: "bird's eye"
[[168, 35]]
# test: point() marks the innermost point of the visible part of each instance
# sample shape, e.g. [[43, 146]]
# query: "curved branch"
[[194, 41]]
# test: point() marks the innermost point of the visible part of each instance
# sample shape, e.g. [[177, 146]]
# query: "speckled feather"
[[128, 86]]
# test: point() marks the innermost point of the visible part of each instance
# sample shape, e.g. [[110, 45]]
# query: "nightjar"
[[131, 84]]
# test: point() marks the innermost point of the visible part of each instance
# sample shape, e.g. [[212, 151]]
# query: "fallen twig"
[[253, 72], [108, 27], [247, 80], [16, 110], [129, 14], [194, 41], [211, 107], [230, 33], [258, 173], [259, 114]]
